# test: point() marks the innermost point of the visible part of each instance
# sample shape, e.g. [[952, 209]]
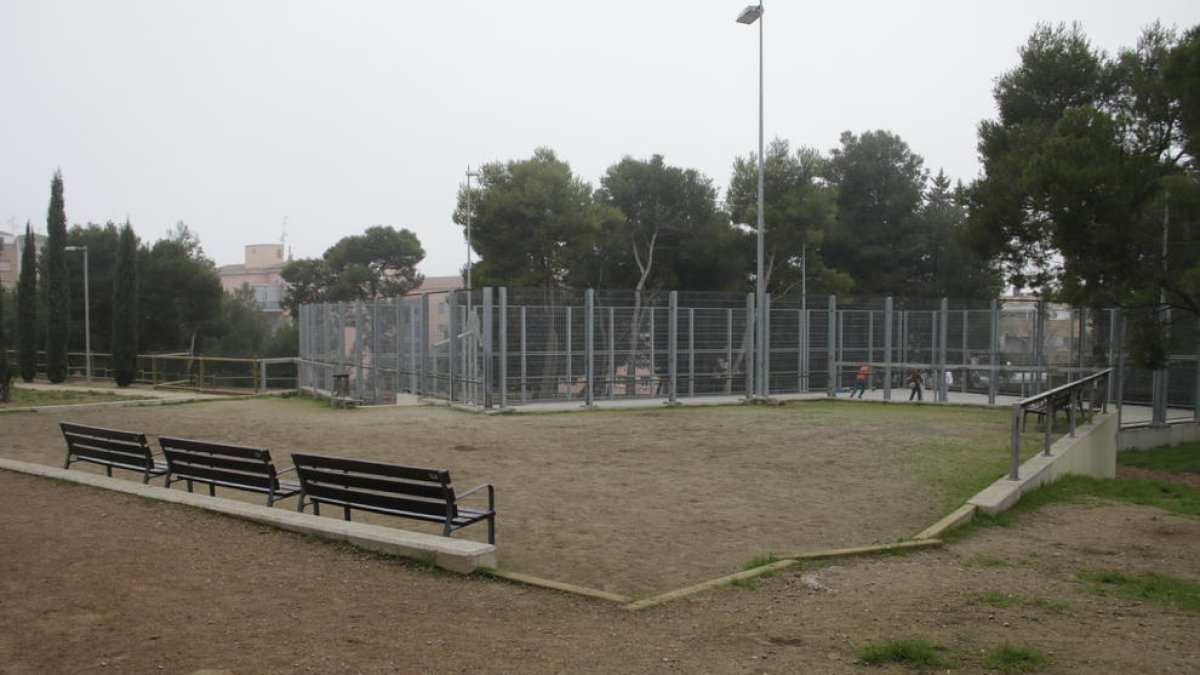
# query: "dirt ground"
[[99, 582], [632, 502]]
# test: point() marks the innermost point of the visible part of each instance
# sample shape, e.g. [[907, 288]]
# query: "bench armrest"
[[491, 494], [287, 470]]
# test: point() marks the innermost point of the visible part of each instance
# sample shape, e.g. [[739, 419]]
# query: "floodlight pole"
[[470, 174], [749, 15], [87, 318]]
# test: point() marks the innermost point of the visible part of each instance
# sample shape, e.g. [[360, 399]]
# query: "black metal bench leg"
[[492, 531]]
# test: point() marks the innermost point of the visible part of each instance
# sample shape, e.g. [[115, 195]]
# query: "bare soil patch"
[[93, 581], [632, 502]]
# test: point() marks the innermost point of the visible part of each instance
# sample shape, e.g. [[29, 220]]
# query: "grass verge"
[[1179, 459], [1151, 587], [26, 398]]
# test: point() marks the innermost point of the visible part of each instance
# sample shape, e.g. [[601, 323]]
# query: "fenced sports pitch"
[[501, 348]]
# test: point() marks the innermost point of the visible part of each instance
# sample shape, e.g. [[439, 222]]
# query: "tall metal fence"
[[499, 347]]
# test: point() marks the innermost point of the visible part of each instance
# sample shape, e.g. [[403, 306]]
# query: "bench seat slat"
[[374, 468], [258, 482], [389, 502]]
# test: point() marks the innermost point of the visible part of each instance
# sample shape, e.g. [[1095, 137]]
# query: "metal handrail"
[[1072, 391]]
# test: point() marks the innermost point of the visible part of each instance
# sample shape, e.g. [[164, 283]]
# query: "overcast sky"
[[234, 116]]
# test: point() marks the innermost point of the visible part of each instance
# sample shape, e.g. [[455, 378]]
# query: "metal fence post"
[[376, 352], [765, 387], [887, 348], [831, 380], [943, 389], [589, 345], [691, 348], [612, 354], [455, 331], [487, 348], [672, 345], [524, 357], [423, 381], [1014, 444], [569, 349], [750, 341], [993, 345], [503, 361]]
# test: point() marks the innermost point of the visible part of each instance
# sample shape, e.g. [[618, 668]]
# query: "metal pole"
[[470, 174], [503, 363], [761, 287], [831, 349], [888, 320], [589, 346]]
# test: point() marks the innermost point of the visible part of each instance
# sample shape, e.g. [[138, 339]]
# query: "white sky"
[[231, 115]]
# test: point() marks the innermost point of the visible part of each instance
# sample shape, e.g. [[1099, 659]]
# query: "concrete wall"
[[1148, 438], [1092, 452]]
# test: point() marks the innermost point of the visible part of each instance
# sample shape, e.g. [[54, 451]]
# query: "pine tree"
[[56, 283], [124, 328], [27, 302]]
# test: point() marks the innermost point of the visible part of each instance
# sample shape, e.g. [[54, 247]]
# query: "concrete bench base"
[[456, 555]]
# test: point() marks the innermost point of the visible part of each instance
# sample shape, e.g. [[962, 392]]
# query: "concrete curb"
[[961, 516], [456, 555], [561, 586]]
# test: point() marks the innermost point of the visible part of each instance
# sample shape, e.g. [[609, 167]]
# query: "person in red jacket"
[[860, 381]]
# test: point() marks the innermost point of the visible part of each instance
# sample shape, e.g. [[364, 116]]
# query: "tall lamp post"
[[470, 174], [751, 14], [87, 317]]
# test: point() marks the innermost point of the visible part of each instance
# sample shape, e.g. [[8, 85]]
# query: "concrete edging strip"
[[456, 555]]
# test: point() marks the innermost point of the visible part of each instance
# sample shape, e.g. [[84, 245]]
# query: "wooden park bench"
[[390, 489], [221, 464], [112, 449]]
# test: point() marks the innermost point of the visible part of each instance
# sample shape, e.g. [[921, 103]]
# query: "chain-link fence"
[[503, 347]]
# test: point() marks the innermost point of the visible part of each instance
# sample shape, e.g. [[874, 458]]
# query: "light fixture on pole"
[[470, 174], [87, 318], [748, 16]]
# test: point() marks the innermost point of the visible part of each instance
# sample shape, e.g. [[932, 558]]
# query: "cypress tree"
[[124, 316], [27, 302], [56, 283]]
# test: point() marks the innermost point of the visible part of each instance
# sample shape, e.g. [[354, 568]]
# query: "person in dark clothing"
[[914, 383]]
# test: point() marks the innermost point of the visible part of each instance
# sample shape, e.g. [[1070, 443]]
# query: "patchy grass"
[[1179, 459], [1151, 587], [1014, 659], [25, 398], [912, 653], [760, 561], [1167, 496]]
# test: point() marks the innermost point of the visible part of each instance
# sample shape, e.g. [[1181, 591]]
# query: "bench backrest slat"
[[206, 460], [376, 484], [107, 445]]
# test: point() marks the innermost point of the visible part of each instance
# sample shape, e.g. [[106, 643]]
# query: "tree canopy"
[[381, 262], [800, 212], [532, 220], [1086, 192]]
